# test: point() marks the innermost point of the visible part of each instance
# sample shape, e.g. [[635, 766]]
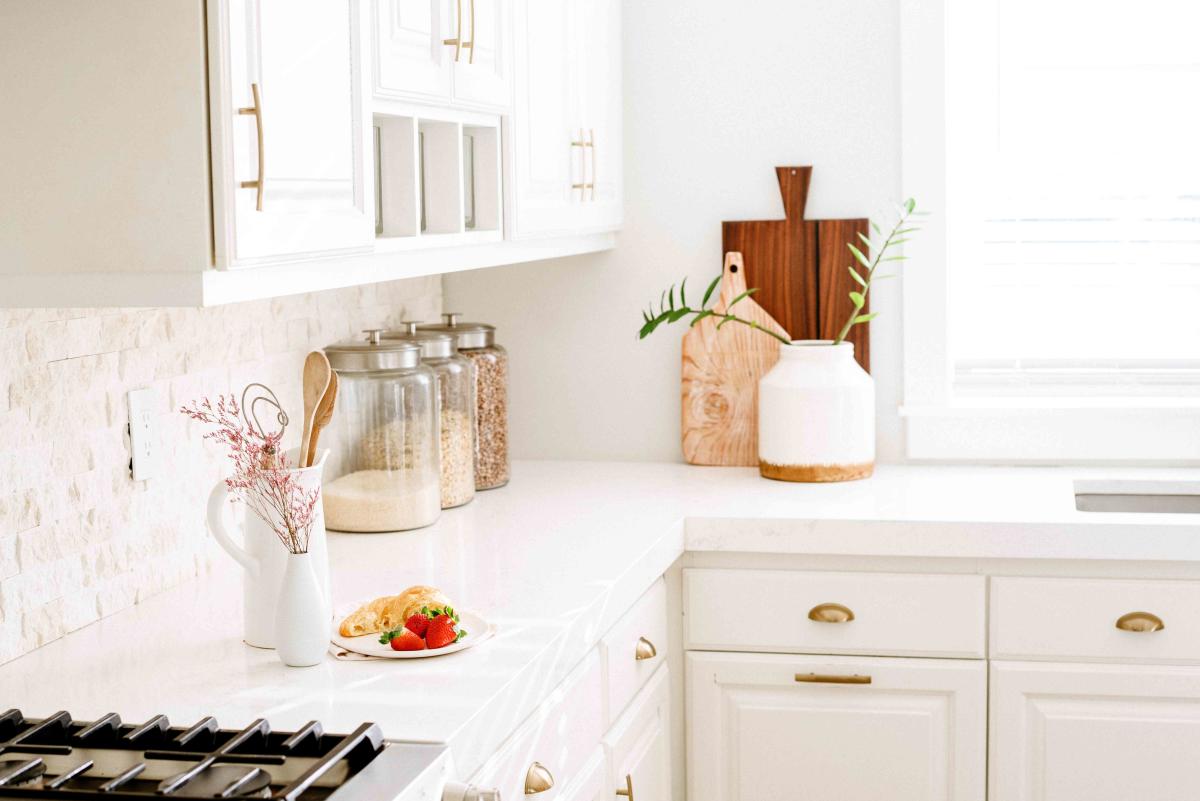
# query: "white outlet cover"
[[143, 440]]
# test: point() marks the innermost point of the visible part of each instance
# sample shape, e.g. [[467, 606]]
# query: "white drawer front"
[[562, 734], [1076, 619], [894, 614], [635, 647]]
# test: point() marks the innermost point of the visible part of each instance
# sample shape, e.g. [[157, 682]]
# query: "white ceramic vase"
[[302, 614], [263, 557], [816, 415]]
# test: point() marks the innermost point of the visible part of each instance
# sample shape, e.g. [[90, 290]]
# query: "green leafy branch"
[[898, 235], [668, 312]]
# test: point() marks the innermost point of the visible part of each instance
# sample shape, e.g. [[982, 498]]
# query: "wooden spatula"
[[316, 377], [322, 417]]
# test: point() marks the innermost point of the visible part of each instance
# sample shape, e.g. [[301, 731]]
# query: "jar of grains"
[[456, 408], [383, 471], [477, 341]]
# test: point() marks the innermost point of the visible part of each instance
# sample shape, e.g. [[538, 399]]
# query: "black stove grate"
[[62, 758]]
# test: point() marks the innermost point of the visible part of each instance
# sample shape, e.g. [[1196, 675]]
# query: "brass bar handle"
[[644, 650], [256, 112], [628, 791], [830, 613], [583, 187], [538, 779], [471, 44], [592, 144], [827, 678], [457, 40], [1140, 622]]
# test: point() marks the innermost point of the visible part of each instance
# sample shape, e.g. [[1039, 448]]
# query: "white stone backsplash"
[[79, 538]]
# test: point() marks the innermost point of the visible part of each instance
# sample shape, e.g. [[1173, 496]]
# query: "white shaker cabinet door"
[[481, 71], [597, 32], [545, 152], [412, 58], [290, 143], [640, 744], [1094, 732], [771, 727]]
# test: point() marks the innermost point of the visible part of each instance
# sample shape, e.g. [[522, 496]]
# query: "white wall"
[[716, 95]]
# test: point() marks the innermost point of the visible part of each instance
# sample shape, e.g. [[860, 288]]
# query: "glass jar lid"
[[372, 353], [433, 344], [468, 335]]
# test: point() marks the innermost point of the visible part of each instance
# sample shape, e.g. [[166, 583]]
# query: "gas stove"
[[57, 757]]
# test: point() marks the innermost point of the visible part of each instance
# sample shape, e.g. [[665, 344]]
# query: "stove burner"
[[228, 781], [21, 772]]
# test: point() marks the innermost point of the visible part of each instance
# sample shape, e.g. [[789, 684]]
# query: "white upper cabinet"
[[566, 124], [442, 51], [289, 139]]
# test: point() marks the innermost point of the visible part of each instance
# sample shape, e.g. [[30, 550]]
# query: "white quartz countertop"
[[553, 559]]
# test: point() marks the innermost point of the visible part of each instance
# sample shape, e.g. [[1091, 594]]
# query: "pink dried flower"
[[261, 476]]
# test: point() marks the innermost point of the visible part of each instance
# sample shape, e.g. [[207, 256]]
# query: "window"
[[1059, 143]]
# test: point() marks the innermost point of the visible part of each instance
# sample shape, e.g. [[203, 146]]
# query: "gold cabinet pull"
[[830, 613], [628, 791], [827, 678], [1140, 622], [471, 44], [644, 650], [538, 779], [592, 144], [256, 112], [585, 186], [457, 40]]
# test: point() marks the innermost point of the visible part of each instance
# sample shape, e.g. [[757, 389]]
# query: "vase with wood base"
[[816, 415]]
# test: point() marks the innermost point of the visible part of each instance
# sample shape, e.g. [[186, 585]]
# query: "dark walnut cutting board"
[[800, 266], [721, 368]]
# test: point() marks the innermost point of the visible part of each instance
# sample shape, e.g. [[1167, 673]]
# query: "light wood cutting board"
[[721, 370]]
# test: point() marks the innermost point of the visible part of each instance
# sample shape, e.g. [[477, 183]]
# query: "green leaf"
[[865, 239], [700, 316], [461, 633], [858, 254], [857, 299], [904, 231], [894, 258], [708, 292], [678, 315], [682, 288], [857, 278], [883, 277], [875, 228], [725, 319], [909, 205], [865, 318], [742, 296], [671, 297]]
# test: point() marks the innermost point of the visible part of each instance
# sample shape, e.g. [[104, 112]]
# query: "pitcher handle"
[[216, 525]]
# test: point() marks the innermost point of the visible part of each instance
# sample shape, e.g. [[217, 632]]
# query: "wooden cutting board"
[[721, 369], [800, 265]]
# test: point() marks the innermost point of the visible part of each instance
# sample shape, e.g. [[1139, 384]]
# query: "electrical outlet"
[[143, 440]]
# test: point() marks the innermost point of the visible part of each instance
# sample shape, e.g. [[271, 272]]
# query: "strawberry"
[[441, 632], [418, 624], [406, 640]]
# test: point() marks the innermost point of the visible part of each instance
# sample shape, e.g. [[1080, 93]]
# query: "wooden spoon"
[[316, 377], [322, 417]]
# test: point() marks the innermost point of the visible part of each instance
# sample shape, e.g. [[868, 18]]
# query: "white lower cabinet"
[[639, 745], [1061, 732], [773, 727]]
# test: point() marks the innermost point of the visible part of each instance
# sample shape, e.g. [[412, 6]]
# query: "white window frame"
[[938, 426]]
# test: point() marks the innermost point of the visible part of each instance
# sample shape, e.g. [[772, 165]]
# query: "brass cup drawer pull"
[[827, 678], [627, 792], [830, 613], [256, 112], [644, 650], [538, 779], [1140, 622]]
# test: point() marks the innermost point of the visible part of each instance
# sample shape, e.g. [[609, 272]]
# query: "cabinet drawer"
[[562, 735], [635, 647], [1076, 619], [640, 743], [892, 614]]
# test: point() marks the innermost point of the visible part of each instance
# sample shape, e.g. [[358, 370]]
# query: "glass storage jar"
[[477, 341], [456, 408], [383, 469]]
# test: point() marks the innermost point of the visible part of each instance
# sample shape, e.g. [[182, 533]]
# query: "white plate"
[[476, 627]]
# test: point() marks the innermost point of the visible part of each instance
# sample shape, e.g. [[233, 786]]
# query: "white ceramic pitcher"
[[263, 557]]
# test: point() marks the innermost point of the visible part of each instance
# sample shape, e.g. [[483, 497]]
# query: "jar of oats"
[[383, 472], [477, 341], [456, 408]]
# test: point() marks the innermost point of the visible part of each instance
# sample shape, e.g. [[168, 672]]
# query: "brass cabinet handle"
[[628, 791], [471, 44], [1140, 622], [644, 650], [583, 187], [457, 40], [826, 678], [256, 112], [592, 144], [538, 779], [830, 613]]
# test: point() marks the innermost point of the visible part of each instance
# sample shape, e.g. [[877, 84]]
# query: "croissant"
[[389, 612]]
